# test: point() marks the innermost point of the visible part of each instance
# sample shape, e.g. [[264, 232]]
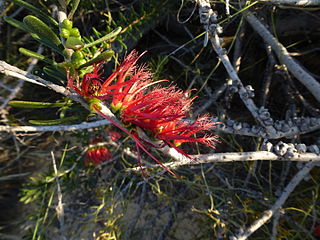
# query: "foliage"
[[113, 200]]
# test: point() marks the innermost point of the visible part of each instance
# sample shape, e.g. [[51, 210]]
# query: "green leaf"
[[75, 4], [55, 73], [54, 121], [17, 24], [33, 54], [74, 43], [41, 73], [41, 29], [22, 26], [27, 104], [96, 32], [105, 56], [105, 38], [48, 43], [123, 44], [45, 17]]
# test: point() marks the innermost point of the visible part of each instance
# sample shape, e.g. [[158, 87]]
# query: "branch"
[[182, 160], [209, 19], [297, 3], [59, 207], [13, 71], [270, 129], [284, 128], [268, 76], [284, 57], [14, 91], [55, 128], [278, 204], [103, 110]]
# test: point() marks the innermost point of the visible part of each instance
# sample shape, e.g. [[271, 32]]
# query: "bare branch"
[[14, 176], [59, 207], [290, 128], [284, 57], [13, 71], [182, 160], [54, 128], [297, 3], [278, 204], [14, 91], [209, 19]]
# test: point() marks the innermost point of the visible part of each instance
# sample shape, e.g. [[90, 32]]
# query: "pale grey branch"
[[209, 19], [278, 204], [284, 57], [14, 90], [182, 160], [298, 3], [54, 128]]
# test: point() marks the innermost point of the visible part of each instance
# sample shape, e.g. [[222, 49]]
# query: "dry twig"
[[209, 19], [284, 57], [54, 128], [15, 90], [278, 204], [59, 207], [297, 3], [181, 160]]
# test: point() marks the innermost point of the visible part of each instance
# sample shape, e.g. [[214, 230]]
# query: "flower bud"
[[65, 33], [80, 62], [74, 32], [77, 56], [67, 24]]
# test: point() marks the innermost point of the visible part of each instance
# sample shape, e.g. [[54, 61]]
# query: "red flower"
[[93, 85], [177, 132], [159, 106], [97, 154], [140, 103], [162, 112]]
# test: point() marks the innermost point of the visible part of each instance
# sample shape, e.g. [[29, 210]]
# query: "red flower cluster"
[[162, 112], [97, 154], [140, 102], [94, 86]]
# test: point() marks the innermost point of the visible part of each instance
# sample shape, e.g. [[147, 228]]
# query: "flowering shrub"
[[212, 201], [141, 103]]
